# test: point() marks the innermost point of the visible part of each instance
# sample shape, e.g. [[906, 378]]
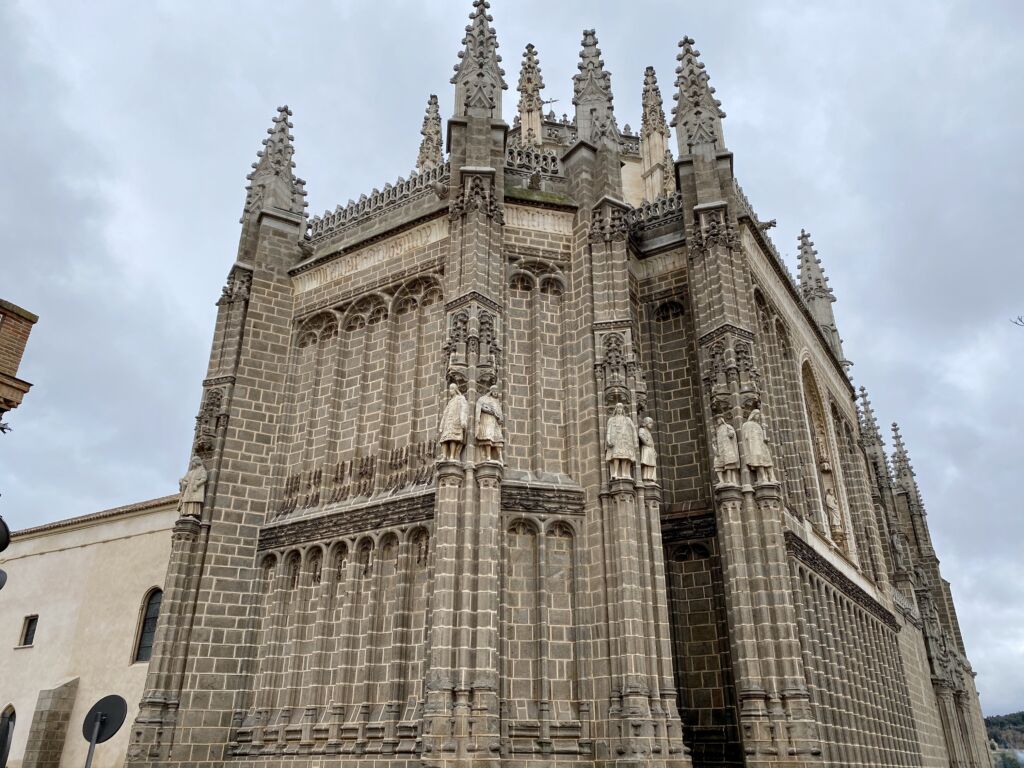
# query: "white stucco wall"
[[86, 580]]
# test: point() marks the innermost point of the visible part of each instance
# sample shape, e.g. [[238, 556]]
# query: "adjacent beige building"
[[79, 589]]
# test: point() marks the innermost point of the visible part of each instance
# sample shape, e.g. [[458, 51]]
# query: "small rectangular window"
[[28, 632]]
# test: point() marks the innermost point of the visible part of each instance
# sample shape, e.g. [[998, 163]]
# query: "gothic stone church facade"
[[541, 457]]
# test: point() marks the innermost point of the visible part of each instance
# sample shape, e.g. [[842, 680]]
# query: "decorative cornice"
[[469, 298], [807, 555], [689, 527], [725, 330], [346, 521], [380, 202], [95, 517]]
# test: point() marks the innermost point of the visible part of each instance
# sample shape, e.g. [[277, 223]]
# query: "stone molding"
[[378, 203], [542, 219], [432, 269], [347, 263], [335, 524], [803, 552], [725, 330], [542, 500], [689, 528]]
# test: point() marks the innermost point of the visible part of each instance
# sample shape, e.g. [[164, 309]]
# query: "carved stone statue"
[[900, 551], [490, 422], [621, 443], [648, 453], [193, 489], [451, 429], [835, 516], [727, 455], [756, 455]]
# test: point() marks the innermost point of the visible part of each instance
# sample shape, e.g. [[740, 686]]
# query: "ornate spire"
[[697, 116], [869, 424], [653, 118], [900, 459], [818, 296], [530, 103], [272, 182], [592, 94], [430, 147], [813, 283], [655, 156], [479, 79]]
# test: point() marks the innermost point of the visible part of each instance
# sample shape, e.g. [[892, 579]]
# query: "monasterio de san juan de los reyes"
[[539, 456]]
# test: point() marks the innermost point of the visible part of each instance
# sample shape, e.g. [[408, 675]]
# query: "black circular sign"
[[5, 535], [112, 709]]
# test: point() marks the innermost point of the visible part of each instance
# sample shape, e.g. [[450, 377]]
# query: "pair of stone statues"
[[622, 439], [756, 455], [490, 425]]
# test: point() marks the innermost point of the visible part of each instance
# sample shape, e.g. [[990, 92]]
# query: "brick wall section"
[[670, 350], [50, 724], [701, 649], [15, 327]]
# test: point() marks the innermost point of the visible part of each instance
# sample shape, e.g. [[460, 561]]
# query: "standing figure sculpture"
[[835, 516], [621, 444], [648, 453], [451, 429], [900, 549], [490, 422], [727, 455], [756, 455], [193, 489]]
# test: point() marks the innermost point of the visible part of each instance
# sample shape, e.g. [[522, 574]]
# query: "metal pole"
[[100, 717]]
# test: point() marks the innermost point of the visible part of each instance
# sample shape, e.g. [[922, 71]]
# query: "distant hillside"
[[1007, 731]]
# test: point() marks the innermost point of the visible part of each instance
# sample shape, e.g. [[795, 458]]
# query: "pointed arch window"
[[147, 627], [7, 718]]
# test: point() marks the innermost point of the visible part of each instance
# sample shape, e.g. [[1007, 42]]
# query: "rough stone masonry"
[[542, 457]]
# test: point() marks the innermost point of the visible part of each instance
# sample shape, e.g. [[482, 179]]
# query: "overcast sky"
[[891, 131]]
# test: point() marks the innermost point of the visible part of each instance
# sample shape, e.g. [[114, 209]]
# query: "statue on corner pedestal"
[[621, 444], [451, 428], [648, 453], [490, 421], [193, 489], [756, 455], [727, 455]]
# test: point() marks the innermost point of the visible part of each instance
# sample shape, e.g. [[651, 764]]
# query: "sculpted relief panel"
[[362, 392], [525, 217]]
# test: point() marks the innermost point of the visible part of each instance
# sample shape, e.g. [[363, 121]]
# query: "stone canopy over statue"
[[490, 422], [193, 489], [756, 455], [451, 428], [621, 444]]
